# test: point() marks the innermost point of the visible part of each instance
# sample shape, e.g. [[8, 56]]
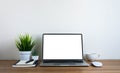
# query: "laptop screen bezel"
[[61, 60]]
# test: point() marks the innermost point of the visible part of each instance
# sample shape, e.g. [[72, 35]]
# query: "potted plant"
[[35, 54], [25, 45]]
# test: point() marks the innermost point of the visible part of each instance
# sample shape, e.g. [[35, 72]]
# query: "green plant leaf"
[[25, 43]]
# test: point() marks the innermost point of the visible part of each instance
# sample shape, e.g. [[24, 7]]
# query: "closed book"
[[23, 63]]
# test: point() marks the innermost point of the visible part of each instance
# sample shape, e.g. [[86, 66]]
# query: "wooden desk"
[[110, 66]]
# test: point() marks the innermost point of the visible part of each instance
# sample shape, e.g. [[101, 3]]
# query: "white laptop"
[[62, 49]]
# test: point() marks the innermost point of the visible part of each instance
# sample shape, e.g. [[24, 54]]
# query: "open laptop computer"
[[62, 49]]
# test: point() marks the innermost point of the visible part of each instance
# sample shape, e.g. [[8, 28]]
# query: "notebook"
[[62, 49], [23, 63]]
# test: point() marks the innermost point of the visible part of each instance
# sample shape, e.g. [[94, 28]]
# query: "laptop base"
[[65, 64]]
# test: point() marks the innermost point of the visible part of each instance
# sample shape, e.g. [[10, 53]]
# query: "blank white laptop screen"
[[62, 46]]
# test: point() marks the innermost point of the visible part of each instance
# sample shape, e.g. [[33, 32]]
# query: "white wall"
[[98, 20]]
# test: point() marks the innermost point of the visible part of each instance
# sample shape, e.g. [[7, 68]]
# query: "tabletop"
[[109, 66]]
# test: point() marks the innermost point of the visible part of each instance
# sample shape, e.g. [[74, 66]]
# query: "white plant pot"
[[35, 57], [25, 55]]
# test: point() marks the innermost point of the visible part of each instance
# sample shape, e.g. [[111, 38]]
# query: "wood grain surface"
[[109, 66]]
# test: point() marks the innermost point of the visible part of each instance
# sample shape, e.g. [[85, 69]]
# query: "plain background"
[[98, 20]]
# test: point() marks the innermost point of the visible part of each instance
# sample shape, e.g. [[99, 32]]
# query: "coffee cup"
[[92, 56]]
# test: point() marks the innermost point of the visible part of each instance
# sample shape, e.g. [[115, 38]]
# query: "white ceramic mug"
[[92, 56]]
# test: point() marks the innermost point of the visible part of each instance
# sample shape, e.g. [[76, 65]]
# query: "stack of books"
[[25, 63]]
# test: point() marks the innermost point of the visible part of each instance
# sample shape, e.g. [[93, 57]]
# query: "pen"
[[29, 61]]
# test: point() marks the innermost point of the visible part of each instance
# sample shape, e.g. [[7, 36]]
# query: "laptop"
[[62, 49]]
